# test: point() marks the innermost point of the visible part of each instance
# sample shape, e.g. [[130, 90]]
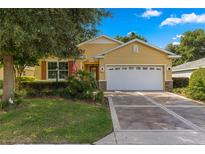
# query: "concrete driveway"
[[155, 118]]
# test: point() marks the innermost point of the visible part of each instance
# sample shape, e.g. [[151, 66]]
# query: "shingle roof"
[[190, 65]]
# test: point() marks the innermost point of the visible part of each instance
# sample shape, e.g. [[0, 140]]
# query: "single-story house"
[[135, 65], [186, 69]]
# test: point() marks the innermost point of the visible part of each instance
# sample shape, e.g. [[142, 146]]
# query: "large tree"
[[42, 32], [173, 48], [191, 47], [130, 37]]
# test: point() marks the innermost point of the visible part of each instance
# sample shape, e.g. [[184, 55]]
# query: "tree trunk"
[[9, 78]]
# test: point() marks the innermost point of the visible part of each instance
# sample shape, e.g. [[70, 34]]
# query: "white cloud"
[[185, 18], [129, 33], [179, 36], [151, 13], [175, 43]]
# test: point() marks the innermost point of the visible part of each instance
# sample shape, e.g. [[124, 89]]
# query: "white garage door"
[[134, 78]]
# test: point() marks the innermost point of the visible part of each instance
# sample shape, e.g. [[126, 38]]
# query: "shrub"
[[82, 86], [1, 84], [19, 81], [39, 85], [43, 92], [181, 91], [99, 96], [26, 78], [44, 88], [180, 82], [197, 84]]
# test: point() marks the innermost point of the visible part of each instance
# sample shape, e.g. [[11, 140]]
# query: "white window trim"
[[58, 70]]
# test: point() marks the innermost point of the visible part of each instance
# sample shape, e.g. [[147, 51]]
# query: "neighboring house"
[[186, 69], [135, 65]]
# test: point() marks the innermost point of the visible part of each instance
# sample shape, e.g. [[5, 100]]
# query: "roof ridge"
[[189, 62], [99, 37], [138, 40]]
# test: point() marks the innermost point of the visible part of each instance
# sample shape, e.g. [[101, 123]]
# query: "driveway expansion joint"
[[176, 131], [187, 122]]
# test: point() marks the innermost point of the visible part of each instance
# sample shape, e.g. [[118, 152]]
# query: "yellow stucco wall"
[[124, 55], [38, 71], [146, 55], [94, 49]]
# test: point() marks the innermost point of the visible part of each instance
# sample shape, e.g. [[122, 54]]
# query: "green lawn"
[[54, 121], [1, 91]]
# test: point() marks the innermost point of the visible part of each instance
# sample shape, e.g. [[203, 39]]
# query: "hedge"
[[180, 82], [197, 84], [39, 85]]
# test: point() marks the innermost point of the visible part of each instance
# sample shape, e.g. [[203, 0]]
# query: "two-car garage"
[[134, 77]]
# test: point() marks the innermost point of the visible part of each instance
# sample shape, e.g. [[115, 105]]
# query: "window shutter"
[[43, 70], [70, 67]]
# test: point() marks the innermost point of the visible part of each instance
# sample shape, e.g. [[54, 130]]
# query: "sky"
[[158, 26]]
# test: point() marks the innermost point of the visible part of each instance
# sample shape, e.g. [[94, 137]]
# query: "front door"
[[94, 71]]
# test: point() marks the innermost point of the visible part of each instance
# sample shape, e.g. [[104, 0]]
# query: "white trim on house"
[[158, 79], [135, 40], [100, 37], [58, 70], [187, 69], [164, 65], [182, 74], [174, 56]]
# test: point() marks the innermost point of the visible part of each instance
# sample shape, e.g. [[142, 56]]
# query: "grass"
[[49, 121]]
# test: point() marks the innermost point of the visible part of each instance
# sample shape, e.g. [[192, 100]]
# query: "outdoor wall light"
[[102, 68]]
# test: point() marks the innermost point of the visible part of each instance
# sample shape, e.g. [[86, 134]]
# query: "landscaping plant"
[[83, 86], [197, 84]]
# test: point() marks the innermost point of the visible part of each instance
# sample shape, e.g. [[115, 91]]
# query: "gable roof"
[[190, 65], [172, 55], [107, 37]]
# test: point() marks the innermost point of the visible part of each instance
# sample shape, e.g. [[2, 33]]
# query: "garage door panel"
[[133, 78]]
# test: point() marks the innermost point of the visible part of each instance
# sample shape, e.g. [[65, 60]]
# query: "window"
[[124, 68], [138, 68], [158, 68], [52, 70], [131, 68], [57, 69], [151, 68], [117, 68], [145, 68]]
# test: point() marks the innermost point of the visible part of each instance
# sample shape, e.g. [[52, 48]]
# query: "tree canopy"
[[191, 47], [34, 33], [47, 31], [130, 37]]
